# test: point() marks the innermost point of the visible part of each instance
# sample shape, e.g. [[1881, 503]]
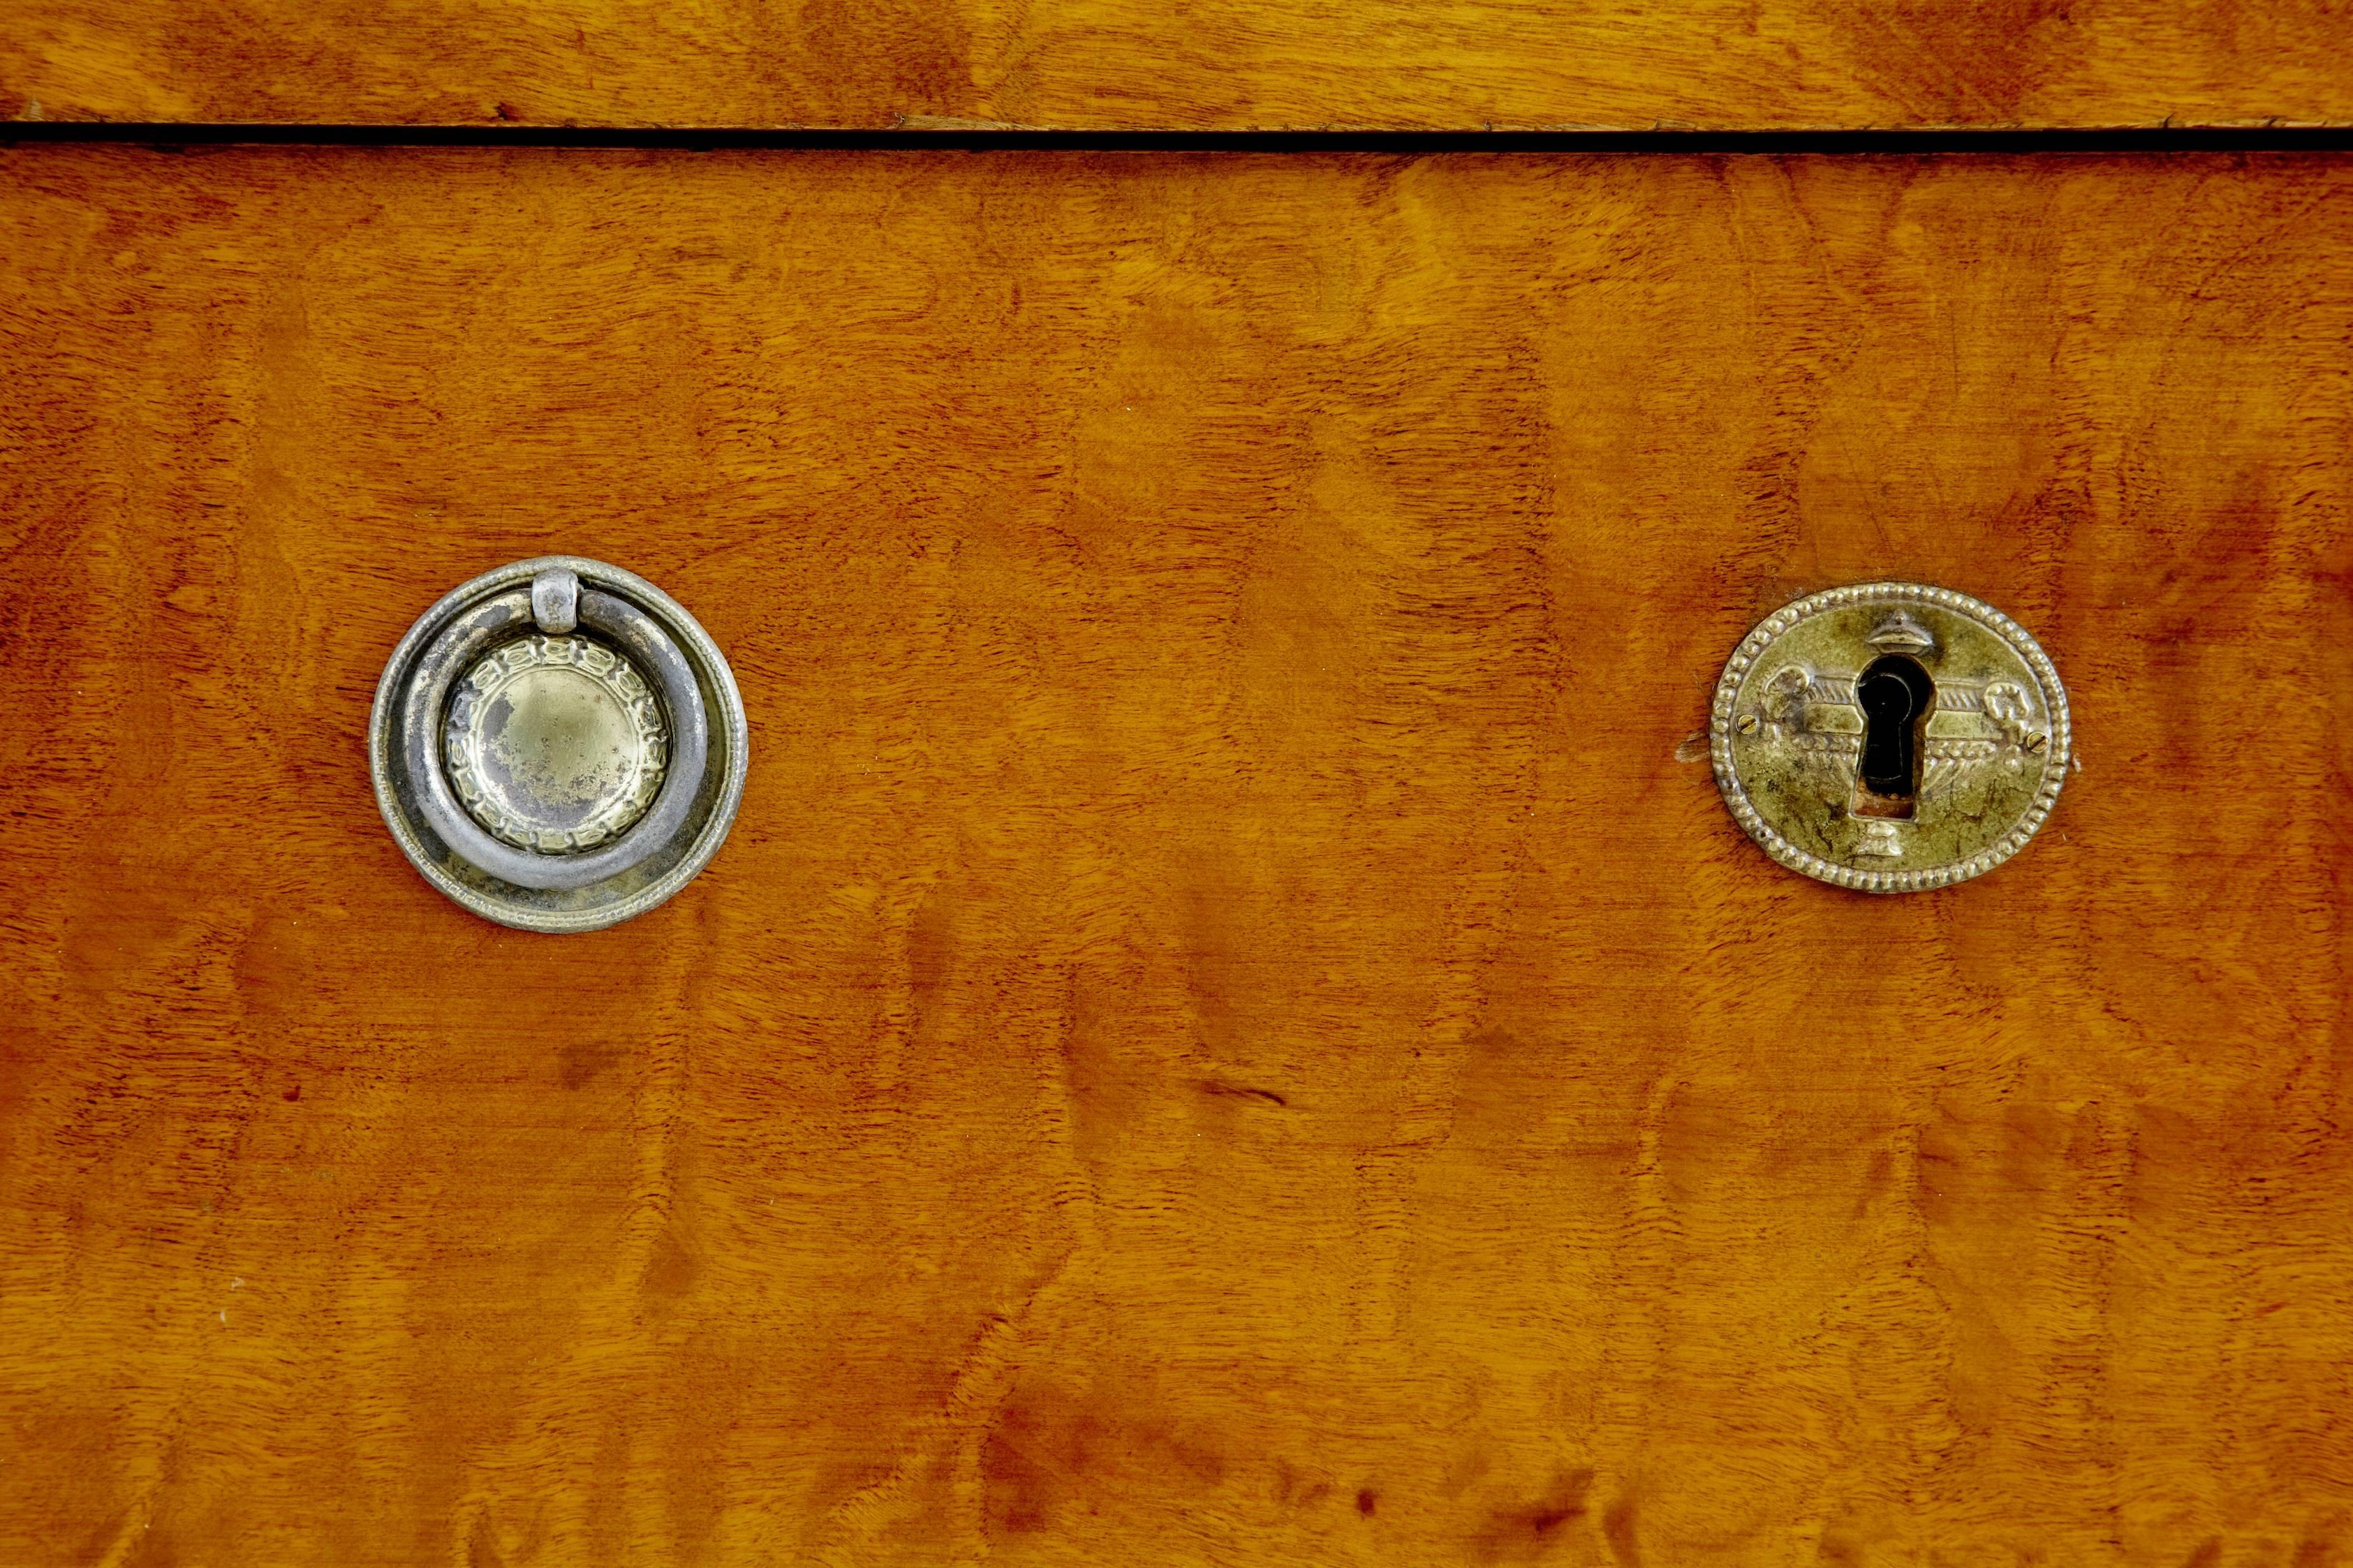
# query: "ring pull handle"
[[558, 745]]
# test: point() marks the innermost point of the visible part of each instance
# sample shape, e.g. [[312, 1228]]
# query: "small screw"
[[1747, 725], [2036, 741]]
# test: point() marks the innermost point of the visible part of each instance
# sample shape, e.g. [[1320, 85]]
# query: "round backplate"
[[555, 744]]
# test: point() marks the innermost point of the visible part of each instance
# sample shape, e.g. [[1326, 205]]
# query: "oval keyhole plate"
[[1890, 737]]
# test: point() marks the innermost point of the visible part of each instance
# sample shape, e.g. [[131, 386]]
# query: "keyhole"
[[1897, 696]]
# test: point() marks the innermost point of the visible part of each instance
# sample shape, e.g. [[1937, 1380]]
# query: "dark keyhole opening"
[[1897, 696]]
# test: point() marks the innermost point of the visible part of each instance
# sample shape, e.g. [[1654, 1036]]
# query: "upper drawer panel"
[[1219, 65]]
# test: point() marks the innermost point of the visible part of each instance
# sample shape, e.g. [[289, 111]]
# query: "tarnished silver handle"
[[558, 745]]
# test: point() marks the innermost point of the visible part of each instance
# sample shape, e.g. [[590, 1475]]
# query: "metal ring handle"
[[473, 634], [699, 739]]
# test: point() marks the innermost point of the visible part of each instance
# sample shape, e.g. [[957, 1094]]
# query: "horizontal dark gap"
[[1896, 143]]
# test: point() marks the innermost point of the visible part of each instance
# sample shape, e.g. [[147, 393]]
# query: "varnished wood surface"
[[1226, 1033], [1452, 65]]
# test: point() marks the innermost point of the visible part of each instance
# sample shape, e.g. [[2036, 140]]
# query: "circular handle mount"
[[558, 745]]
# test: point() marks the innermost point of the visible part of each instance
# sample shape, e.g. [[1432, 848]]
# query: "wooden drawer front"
[[1229, 1029]]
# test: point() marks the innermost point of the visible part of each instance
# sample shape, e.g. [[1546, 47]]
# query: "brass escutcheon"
[[1890, 737]]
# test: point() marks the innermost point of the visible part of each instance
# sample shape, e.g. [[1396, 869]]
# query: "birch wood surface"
[[1232, 1027], [1231, 64]]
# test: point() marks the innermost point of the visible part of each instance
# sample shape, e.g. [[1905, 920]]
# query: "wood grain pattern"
[[1226, 1033], [1459, 65]]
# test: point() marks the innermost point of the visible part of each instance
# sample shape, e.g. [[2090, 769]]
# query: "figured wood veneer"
[[1207, 65], [1231, 1028]]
